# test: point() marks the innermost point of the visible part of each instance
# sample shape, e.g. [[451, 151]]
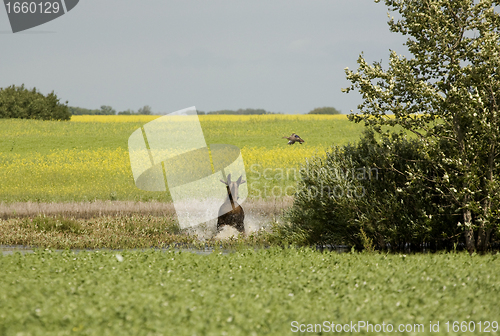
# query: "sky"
[[285, 56]]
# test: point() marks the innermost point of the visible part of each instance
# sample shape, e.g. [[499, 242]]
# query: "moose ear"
[[240, 181], [229, 179]]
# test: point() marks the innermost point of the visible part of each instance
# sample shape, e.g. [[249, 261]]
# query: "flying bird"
[[294, 138]]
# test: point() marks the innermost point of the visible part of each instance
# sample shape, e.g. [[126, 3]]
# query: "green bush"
[[358, 193], [19, 102]]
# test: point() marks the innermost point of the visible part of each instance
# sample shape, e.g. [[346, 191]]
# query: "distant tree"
[[19, 102], [107, 110], [222, 112], [324, 110], [252, 111], [82, 111], [242, 112], [126, 112], [145, 110]]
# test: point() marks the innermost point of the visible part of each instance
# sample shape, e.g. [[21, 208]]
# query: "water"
[[9, 250], [6, 249]]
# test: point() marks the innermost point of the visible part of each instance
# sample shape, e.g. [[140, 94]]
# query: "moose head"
[[233, 186]]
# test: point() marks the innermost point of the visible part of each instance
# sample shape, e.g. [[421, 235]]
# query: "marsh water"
[[9, 250]]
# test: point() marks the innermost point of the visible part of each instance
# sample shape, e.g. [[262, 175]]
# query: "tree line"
[[108, 110], [250, 111], [20, 102]]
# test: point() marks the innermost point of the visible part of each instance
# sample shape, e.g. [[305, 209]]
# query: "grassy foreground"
[[244, 293]]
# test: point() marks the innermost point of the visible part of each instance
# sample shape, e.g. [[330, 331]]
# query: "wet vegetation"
[[119, 232]]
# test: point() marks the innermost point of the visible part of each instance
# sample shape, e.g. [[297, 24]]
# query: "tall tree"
[[447, 94]]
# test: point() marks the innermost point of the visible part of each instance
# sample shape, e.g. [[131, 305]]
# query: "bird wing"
[[298, 138]]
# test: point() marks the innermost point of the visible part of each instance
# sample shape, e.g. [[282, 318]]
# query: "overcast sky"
[[280, 55]]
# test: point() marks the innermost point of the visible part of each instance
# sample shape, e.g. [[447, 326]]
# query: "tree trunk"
[[481, 233], [482, 236], [469, 232], [481, 240], [488, 235]]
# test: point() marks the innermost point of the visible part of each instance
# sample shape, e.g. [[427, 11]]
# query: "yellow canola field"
[[221, 118], [66, 174], [113, 118], [279, 157], [104, 172]]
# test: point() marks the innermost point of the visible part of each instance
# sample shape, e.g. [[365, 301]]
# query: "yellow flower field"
[[113, 118], [66, 174], [87, 158], [106, 174], [220, 118]]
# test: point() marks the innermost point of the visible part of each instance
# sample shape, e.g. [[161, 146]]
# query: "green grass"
[[242, 293], [268, 133], [24, 137]]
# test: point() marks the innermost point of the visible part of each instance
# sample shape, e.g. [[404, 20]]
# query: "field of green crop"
[[264, 292], [87, 158]]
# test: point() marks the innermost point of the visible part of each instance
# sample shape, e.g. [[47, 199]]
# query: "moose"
[[231, 213]]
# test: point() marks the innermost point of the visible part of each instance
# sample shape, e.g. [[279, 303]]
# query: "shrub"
[[19, 102], [358, 193]]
